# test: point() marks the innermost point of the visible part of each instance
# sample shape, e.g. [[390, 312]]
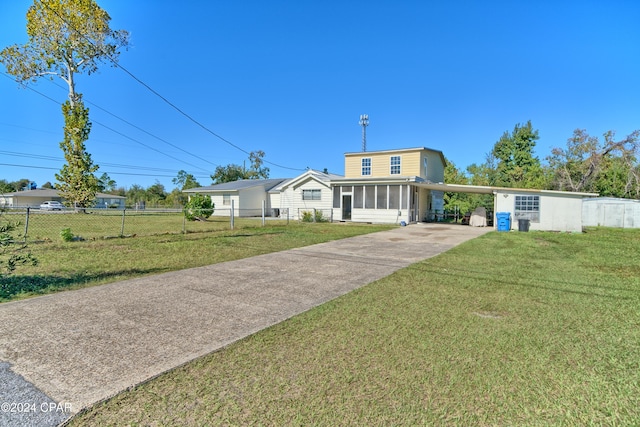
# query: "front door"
[[346, 207]]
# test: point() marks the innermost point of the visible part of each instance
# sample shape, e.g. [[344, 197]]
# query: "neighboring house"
[[246, 196], [33, 199]]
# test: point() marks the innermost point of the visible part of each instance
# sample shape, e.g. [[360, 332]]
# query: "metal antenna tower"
[[364, 122]]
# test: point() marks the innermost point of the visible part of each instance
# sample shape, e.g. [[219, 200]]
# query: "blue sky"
[[292, 78]]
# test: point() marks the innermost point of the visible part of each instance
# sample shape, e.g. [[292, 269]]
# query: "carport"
[[547, 210]]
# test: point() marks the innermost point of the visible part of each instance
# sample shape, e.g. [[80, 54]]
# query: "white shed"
[[611, 212]]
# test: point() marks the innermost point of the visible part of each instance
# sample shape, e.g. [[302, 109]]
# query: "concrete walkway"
[[79, 347]]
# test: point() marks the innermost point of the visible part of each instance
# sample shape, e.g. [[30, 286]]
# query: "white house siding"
[[291, 198], [220, 209], [611, 212], [557, 212], [251, 201]]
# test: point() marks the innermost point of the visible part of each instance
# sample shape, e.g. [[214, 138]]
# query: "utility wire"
[[115, 165], [113, 130], [108, 172], [140, 129], [117, 65]]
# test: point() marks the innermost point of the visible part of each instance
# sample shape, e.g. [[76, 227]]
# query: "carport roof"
[[480, 189]]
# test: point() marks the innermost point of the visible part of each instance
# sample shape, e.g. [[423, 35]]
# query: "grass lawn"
[[507, 329], [72, 265]]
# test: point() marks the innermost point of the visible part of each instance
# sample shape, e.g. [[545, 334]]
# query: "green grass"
[[71, 265], [508, 329]]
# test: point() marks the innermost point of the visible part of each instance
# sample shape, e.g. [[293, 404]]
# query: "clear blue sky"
[[292, 78]]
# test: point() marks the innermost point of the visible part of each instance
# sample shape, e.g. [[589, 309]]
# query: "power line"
[[116, 165], [140, 129], [117, 65], [107, 172], [115, 131]]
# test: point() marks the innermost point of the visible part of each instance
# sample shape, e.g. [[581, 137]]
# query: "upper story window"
[[366, 166], [425, 168], [395, 165], [311, 194]]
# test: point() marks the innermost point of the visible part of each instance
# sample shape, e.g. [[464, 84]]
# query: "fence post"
[[264, 207], [232, 213], [314, 214], [26, 225], [122, 226], [184, 223], [287, 216]]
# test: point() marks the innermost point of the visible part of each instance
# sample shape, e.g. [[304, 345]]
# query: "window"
[[366, 166], [425, 168], [311, 194], [336, 197], [528, 207], [226, 199], [395, 165]]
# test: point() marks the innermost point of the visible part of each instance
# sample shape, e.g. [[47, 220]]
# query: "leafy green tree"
[[136, 195], [609, 167], [77, 183], [185, 181], [47, 185], [6, 186], [199, 207], [257, 170], [233, 172], [106, 184], [516, 166], [156, 194], [67, 37], [453, 175], [228, 173]]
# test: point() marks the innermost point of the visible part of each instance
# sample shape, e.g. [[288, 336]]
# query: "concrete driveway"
[[65, 351]]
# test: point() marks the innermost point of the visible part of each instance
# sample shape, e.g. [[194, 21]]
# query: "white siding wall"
[[251, 201], [291, 198]]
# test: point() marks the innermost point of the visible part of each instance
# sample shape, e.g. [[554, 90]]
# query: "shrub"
[[66, 234], [12, 252], [307, 216], [198, 208]]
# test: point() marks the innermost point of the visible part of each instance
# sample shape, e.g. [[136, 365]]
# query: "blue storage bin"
[[504, 221]]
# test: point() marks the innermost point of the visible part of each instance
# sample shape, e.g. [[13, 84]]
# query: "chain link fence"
[[39, 225]]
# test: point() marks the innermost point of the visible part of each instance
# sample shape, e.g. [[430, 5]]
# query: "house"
[[378, 186], [386, 186], [246, 196], [391, 186], [33, 198]]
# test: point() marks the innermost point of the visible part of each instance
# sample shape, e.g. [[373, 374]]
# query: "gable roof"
[[242, 184], [322, 177]]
